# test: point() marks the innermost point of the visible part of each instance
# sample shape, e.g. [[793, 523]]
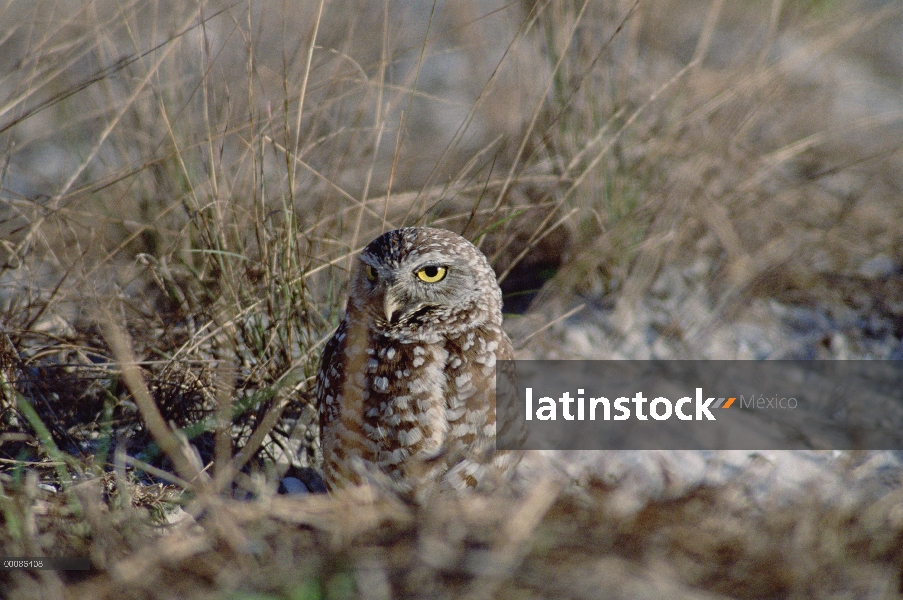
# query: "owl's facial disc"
[[402, 291]]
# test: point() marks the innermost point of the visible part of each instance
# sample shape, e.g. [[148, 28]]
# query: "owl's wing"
[[471, 410], [471, 401], [329, 377]]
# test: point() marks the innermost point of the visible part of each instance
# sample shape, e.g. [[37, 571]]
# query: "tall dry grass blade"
[[114, 122], [538, 110], [254, 443], [162, 434], [522, 342], [538, 234], [513, 542], [302, 96], [526, 25]]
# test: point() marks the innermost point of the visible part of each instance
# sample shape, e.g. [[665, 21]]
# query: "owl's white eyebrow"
[[432, 258], [431, 263]]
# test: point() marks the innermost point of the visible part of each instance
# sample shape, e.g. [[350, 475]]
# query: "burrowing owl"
[[406, 385]]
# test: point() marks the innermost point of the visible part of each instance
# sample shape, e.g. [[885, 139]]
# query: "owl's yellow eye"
[[370, 272], [432, 274]]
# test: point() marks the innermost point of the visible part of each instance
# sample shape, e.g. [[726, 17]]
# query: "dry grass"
[[183, 188], [707, 543]]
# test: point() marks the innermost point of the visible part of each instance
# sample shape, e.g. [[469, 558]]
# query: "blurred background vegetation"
[[187, 183]]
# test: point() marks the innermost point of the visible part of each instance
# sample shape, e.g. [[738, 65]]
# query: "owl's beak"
[[391, 304]]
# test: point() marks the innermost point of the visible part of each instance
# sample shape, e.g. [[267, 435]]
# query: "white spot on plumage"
[[468, 342], [455, 413], [460, 429], [393, 457], [455, 401], [410, 437], [422, 385]]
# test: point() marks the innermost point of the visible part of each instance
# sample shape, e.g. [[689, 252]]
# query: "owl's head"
[[420, 279]]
